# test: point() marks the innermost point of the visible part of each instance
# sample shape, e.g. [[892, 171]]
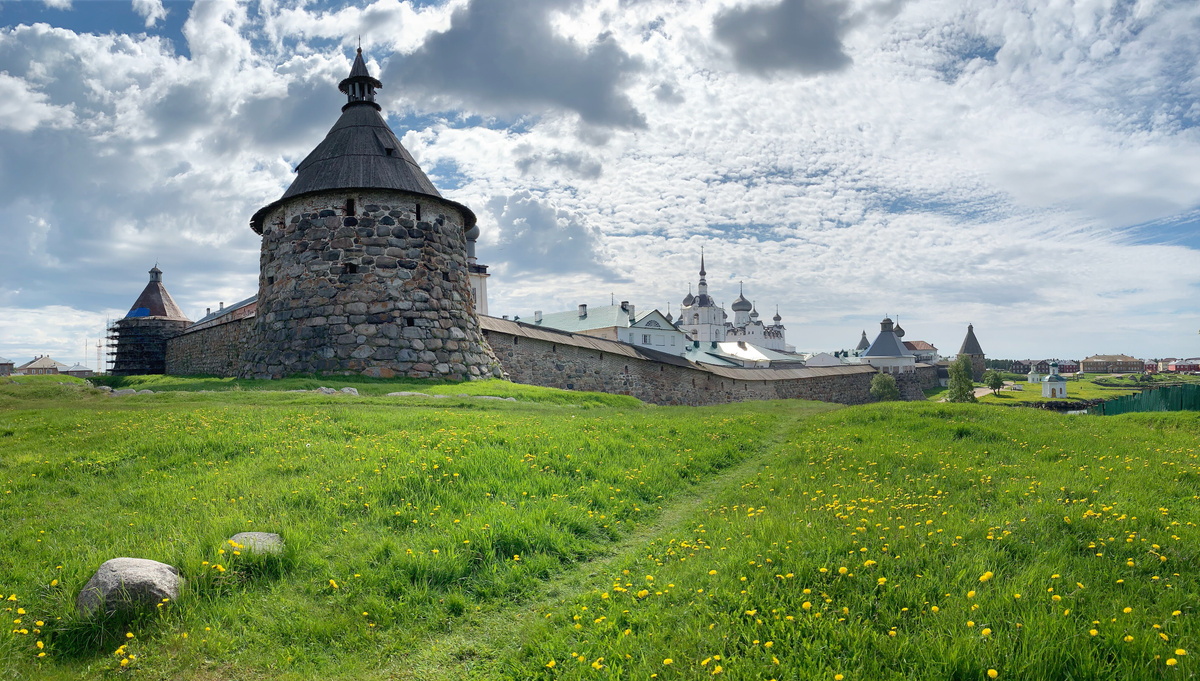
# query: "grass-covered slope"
[[463, 538], [400, 515], [914, 542]]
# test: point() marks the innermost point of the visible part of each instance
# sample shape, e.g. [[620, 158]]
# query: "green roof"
[[597, 318]]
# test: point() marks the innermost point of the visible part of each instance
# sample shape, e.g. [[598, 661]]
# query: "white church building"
[[702, 319]]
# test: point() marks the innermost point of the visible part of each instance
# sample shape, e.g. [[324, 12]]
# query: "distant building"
[[78, 371], [1112, 364], [970, 347], [650, 329], [40, 366], [1151, 366], [6, 367], [823, 359], [887, 353], [741, 354], [924, 352], [1033, 376], [863, 344], [1184, 365], [1054, 385], [1021, 366]]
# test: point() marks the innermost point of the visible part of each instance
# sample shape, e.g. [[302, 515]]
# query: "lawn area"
[[561, 536], [1090, 387]]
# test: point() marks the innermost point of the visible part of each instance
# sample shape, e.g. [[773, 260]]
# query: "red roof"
[[918, 345]]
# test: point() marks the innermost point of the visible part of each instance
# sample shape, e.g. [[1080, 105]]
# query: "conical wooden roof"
[[970, 344], [359, 152], [155, 301]]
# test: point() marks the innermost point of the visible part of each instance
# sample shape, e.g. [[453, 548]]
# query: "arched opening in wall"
[[516, 340], [661, 369], [626, 368], [553, 348], [350, 208], [418, 212], [693, 383]]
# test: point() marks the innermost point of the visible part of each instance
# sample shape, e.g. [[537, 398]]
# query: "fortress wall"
[[213, 350], [913, 386], [584, 364]]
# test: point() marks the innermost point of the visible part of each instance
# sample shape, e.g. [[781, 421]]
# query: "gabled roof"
[[918, 345], [5, 361], [77, 367], [970, 344], [1111, 358], [359, 152], [43, 362]]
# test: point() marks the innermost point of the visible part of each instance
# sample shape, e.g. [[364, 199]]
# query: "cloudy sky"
[[1029, 166]]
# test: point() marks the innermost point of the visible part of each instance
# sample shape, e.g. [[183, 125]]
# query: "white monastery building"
[[887, 353], [1054, 385], [703, 320]]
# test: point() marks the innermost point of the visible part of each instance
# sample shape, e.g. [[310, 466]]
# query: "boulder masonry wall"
[[380, 290], [210, 351]]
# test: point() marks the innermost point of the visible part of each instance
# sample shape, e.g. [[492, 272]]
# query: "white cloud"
[[977, 161], [57, 4], [22, 109], [150, 10]]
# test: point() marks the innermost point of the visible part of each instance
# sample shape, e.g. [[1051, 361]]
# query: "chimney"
[[222, 304], [207, 311], [504, 316], [624, 304], [583, 310], [630, 308], [537, 316]]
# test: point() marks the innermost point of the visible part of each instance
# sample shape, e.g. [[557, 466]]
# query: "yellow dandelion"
[[986, 576], [992, 673], [1180, 652], [1093, 632], [668, 661], [1127, 610], [333, 584], [970, 594], [1128, 639], [986, 632], [882, 581], [933, 608], [842, 571], [550, 664], [1171, 662]]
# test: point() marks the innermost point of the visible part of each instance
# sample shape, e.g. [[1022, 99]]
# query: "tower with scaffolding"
[[138, 341]]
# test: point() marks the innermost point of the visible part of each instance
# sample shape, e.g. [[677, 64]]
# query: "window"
[[418, 211], [350, 207], [270, 281], [351, 268], [672, 341], [409, 321], [645, 339]]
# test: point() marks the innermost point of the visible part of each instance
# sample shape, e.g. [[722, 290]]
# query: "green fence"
[[1167, 398]]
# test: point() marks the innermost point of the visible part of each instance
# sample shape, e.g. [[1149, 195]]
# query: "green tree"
[[993, 380], [883, 388], [960, 388]]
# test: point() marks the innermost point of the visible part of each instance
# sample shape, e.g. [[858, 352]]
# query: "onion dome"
[[689, 299], [741, 304], [777, 318], [359, 152], [899, 331], [754, 314]]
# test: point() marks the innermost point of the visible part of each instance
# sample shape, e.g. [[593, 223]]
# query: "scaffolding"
[[138, 345]]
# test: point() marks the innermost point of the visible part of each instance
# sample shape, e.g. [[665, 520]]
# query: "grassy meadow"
[[575, 535], [1089, 387]]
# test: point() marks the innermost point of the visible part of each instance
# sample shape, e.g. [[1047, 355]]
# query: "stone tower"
[[364, 265], [970, 347], [139, 339]]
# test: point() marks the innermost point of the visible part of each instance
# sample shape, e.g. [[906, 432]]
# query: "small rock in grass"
[[350, 391], [105, 389], [264, 543], [407, 394], [123, 392], [326, 391], [297, 391], [145, 392], [128, 584]]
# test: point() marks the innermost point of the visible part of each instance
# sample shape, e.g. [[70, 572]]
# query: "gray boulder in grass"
[[129, 584], [262, 543]]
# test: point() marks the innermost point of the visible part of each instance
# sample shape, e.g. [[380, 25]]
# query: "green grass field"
[[566, 537], [1090, 387]]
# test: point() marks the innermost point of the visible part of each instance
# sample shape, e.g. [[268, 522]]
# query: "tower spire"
[[360, 85]]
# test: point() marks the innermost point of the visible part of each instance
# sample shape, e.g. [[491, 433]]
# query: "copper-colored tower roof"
[[155, 301]]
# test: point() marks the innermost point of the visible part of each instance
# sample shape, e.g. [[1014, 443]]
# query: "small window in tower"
[[351, 268], [445, 276], [350, 207], [270, 281], [389, 151], [409, 321], [418, 212]]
